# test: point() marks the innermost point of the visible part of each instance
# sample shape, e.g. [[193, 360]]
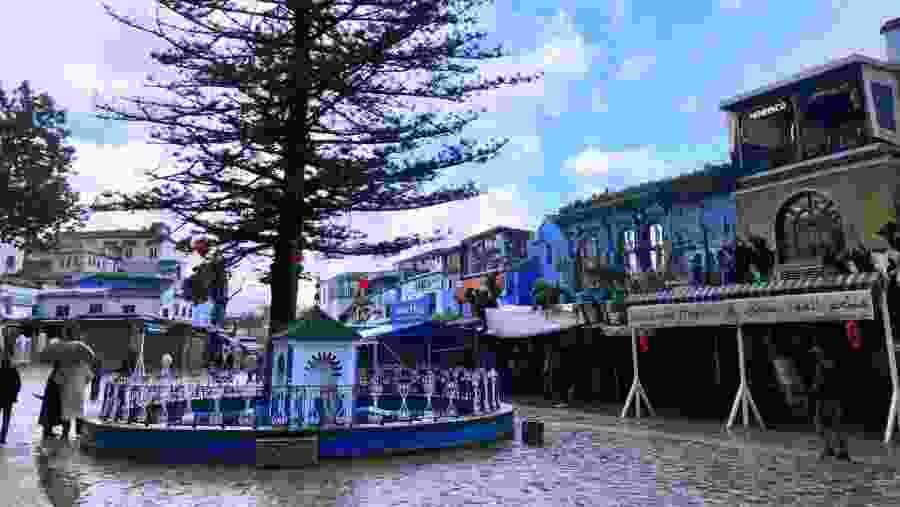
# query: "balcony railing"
[[396, 395]]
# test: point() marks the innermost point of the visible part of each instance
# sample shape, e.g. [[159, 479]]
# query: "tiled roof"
[[708, 293]]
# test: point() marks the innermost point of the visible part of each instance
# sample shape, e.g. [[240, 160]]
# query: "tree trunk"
[[289, 243]]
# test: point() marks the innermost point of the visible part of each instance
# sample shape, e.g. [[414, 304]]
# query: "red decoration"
[[364, 283], [297, 259], [201, 246], [645, 343], [853, 335]]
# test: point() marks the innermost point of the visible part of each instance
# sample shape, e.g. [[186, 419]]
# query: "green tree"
[[288, 114], [36, 201]]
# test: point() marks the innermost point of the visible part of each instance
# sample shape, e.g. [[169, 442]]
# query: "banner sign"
[[830, 306]]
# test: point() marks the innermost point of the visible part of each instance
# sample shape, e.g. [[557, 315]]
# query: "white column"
[[892, 421], [636, 393], [743, 395]]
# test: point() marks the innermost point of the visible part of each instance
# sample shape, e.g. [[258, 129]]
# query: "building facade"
[[820, 153]]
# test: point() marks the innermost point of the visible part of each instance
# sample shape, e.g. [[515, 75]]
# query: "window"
[[548, 255], [807, 227], [656, 251], [129, 252], [883, 96], [833, 120], [165, 313], [10, 263], [62, 311], [154, 252], [190, 312], [631, 258], [96, 308], [128, 309], [767, 135]]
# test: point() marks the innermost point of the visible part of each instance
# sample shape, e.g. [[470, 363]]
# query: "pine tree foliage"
[[36, 201], [363, 133], [286, 115]]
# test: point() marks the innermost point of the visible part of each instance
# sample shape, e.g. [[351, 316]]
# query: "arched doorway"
[[808, 226]]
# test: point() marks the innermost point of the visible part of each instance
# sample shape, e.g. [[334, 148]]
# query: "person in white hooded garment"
[[78, 376]]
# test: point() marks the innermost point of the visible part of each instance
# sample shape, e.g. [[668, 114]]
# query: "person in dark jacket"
[[827, 389], [10, 385], [51, 405]]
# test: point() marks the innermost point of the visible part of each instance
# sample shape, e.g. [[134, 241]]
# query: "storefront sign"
[[768, 111], [831, 306], [684, 314]]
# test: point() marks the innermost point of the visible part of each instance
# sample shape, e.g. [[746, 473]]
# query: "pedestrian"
[[10, 385], [51, 404], [548, 376], [229, 361], [827, 390], [78, 377], [166, 373]]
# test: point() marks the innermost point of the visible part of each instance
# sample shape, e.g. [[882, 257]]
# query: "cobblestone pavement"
[[587, 460]]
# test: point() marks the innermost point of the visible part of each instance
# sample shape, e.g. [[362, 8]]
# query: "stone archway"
[[807, 226]]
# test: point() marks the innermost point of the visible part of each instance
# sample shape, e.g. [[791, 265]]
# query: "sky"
[[631, 93]]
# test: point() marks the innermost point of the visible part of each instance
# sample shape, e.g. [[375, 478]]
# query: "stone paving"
[[588, 459]]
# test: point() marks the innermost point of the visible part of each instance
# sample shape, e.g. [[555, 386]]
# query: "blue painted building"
[[679, 220]]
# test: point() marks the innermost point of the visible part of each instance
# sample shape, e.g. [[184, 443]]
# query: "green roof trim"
[[315, 325]]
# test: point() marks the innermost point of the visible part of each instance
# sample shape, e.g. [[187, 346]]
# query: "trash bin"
[[532, 432]]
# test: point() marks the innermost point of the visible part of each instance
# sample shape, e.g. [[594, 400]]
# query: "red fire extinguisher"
[[645, 343], [853, 335]]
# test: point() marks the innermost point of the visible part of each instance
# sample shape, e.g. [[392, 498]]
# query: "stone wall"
[[864, 197]]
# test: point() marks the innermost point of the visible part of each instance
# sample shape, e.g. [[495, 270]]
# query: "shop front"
[[748, 309]]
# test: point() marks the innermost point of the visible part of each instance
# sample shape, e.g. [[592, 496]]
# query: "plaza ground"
[[590, 457]]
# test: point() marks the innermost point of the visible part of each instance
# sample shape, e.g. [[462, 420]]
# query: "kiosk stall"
[[840, 298]]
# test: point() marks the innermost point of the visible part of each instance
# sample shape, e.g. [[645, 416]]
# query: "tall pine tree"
[[287, 114]]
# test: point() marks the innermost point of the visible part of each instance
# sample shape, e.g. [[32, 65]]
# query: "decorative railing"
[[387, 395]]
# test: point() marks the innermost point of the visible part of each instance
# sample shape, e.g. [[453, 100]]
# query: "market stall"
[[840, 298]]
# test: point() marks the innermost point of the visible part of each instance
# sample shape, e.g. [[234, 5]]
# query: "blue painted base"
[[238, 446], [379, 440]]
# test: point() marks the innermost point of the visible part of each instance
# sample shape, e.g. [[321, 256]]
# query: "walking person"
[[827, 390], [78, 376], [10, 385], [548, 375], [51, 404]]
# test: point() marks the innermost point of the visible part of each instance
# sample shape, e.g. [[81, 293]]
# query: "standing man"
[[10, 385], [548, 373], [827, 390]]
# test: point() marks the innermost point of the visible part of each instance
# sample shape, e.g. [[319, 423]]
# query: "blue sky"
[[631, 93]]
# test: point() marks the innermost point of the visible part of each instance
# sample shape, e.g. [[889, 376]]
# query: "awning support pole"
[[743, 397], [636, 393], [892, 361]]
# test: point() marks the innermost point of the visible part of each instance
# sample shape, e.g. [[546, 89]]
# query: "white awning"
[[523, 321]]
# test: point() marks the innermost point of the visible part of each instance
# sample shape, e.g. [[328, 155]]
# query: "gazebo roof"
[[316, 325]]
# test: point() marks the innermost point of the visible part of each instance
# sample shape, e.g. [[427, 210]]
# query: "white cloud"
[[639, 164], [564, 56], [690, 105], [854, 30], [730, 4], [92, 80], [635, 68]]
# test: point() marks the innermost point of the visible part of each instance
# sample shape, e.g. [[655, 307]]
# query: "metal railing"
[[393, 395]]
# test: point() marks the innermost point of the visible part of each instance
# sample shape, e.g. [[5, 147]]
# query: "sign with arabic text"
[[830, 306]]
